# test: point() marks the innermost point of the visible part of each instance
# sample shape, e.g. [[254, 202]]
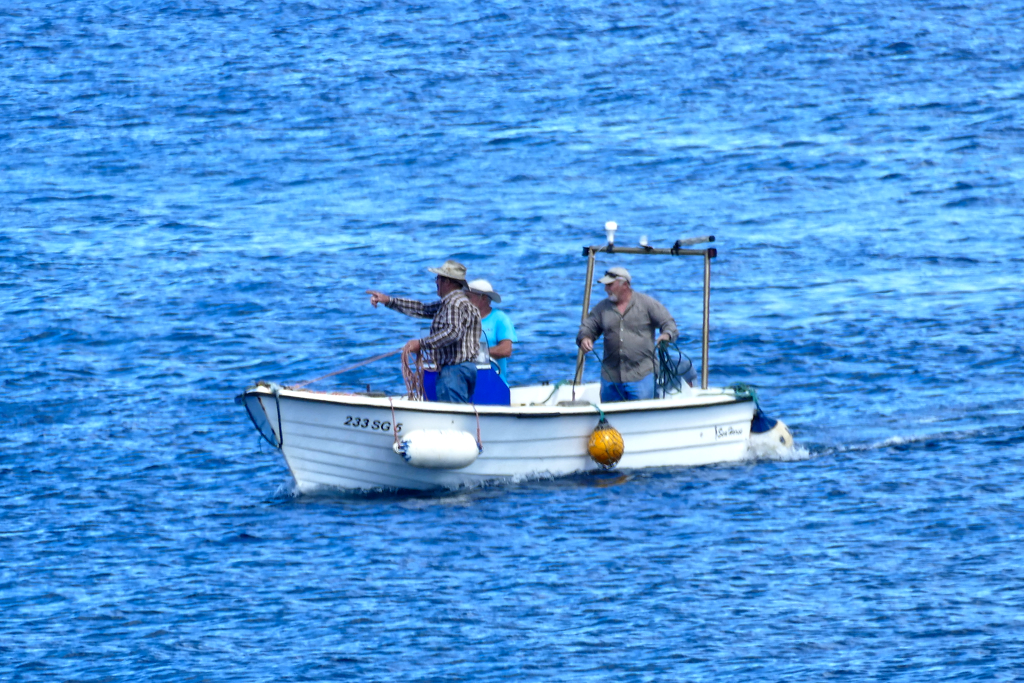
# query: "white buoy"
[[776, 440], [438, 449]]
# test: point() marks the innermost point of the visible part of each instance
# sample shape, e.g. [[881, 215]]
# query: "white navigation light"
[[610, 227]]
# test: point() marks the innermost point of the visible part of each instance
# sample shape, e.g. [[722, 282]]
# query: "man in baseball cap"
[[627, 319], [454, 339]]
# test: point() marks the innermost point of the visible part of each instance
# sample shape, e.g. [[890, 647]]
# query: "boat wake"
[[992, 435], [777, 452]]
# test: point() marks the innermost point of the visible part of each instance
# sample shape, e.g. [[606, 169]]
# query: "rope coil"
[[412, 373], [670, 371]]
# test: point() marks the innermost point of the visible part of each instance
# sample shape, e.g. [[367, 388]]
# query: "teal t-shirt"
[[497, 327]]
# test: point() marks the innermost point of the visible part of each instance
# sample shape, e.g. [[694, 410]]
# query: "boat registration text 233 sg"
[[367, 423]]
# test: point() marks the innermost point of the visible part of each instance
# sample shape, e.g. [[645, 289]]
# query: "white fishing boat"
[[364, 441]]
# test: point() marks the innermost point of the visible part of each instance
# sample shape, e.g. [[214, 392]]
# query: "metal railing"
[[678, 249]]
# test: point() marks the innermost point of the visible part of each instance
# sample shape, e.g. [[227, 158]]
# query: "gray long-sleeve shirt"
[[628, 337]]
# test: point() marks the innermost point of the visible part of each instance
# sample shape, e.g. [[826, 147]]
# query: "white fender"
[[438, 449]]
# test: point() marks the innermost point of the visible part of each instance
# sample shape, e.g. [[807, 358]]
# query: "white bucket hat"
[[484, 287], [453, 270]]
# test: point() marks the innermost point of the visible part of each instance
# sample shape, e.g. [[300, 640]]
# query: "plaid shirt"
[[455, 333]]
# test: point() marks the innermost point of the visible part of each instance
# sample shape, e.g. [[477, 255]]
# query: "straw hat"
[[484, 287], [452, 270]]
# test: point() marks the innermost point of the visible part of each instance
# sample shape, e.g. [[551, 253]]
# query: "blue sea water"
[[195, 194]]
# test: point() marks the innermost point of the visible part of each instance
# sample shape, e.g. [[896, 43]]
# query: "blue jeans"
[[456, 383], [640, 390]]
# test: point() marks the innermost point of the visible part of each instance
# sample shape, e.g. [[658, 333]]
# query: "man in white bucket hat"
[[497, 326], [627, 319], [454, 339]]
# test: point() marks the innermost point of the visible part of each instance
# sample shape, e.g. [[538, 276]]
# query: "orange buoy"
[[606, 445]]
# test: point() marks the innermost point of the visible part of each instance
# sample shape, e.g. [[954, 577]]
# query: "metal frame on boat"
[[359, 441]]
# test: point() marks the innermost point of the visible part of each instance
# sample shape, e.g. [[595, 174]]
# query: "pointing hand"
[[378, 298]]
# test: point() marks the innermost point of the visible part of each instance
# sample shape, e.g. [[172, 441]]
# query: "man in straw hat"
[[627, 319], [497, 326], [454, 339]]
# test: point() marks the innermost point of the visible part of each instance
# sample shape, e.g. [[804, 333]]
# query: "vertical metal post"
[[580, 356], [707, 318]]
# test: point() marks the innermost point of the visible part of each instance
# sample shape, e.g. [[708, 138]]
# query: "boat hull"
[[347, 441]]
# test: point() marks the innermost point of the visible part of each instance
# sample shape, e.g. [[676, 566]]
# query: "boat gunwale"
[[517, 411]]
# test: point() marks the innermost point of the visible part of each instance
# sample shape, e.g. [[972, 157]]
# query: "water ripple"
[[197, 195]]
